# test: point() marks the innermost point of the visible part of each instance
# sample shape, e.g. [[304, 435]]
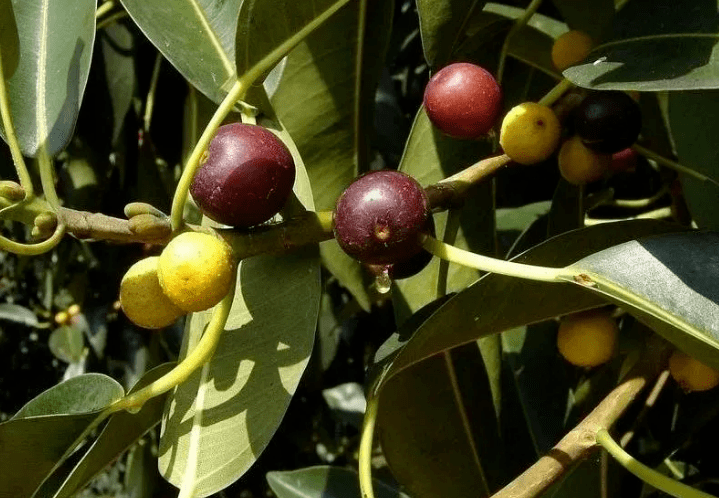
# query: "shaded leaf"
[[27, 452], [442, 24], [594, 17], [684, 61], [325, 101], [226, 413], [122, 430], [196, 36], [667, 281], [18, 314], [67, 343], [692, 120], [438, 430], [9, 39], [324, 481], [117, 44], [46, 89]]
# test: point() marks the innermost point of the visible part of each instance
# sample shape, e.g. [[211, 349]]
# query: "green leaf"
[[196, 36], [324, 481], [226, 413], [438, 430], [34, 440], [122, 430], [430, 156], [82, 394], [67, 343], [594, 17], [9, 39], [442, 25], [117, 44], [45, 91], [692, 120], [681, 61], [18, 314], [324, 100], [508, 302], [668, 282]]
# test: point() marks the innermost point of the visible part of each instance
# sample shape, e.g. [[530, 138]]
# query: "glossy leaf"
[[667, 281], [46, 89], [668, 62], [438, 430], [460, 320], [63, 412], [122, 430], [442, 25], [324, 481], [325, 101], [226, 413], [692, 118], [430, 156], [196, 36]]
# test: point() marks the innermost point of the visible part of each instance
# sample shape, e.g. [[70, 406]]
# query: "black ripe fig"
[[246, 176], [463, 100], [608, 121], [378, 219]]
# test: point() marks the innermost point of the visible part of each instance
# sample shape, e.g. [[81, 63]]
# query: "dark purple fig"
[[608, 121], [378, 219], [463, 100], [246, 176], [407, 267]]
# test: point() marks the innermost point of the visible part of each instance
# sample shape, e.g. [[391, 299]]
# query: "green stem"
[[647, 474], [493, 265], [11, 137], [33, 249], [47, 177], [553, 95], [659, 159], [104, 9], [200, 355], [365, 449], [451, 229], [150, 100], [110, 19], [518, 24], [236, 93]]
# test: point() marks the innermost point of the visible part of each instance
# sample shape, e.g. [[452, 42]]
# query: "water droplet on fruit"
[[382, 281]]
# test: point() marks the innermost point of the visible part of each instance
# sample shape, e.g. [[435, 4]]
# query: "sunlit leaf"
[[668, 281], [18, 314], [324, 481], [226, 413], [122, 430], [37, 437], [196, 36], [45, 91]]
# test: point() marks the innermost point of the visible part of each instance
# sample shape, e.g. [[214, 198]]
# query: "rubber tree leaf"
[[505, 303], [667, 281], [442, 26], [34, 440], [9, 39], [657, 45], [692, 120], [438, 428], [594, 17], [325, 100], [218, 422], [325, 481], [196, 36], [122, 430], [45, 91]]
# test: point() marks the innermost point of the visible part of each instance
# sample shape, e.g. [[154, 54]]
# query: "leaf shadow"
[[259, 358]]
